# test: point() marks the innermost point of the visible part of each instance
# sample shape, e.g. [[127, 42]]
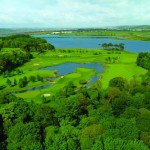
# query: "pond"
[[33, 89], [93, 42], [67, 68], [93, 79]]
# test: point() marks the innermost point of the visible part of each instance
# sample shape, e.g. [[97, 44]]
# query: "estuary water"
[[93, 42]]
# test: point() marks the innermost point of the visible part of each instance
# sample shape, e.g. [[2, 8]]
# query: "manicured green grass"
[[42, 73], [127, 71], [52, 58], [125, 66], [80, 73], [31, 96]]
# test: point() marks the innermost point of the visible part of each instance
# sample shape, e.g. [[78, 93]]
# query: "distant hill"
[[5, 31], [133, 27], [19, 30]]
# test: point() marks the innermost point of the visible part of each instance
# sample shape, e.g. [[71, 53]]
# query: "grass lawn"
[[125, 66], [80, 73], [42, 73], [128, 71]]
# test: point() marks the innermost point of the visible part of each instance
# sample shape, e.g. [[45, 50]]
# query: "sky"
[[73, 13]]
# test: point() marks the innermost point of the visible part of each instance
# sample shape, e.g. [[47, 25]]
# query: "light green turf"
[[33, 95], [42, 73], [128, 71], [125, 66], [80, 73]]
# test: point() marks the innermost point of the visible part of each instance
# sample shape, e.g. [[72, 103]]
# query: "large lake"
[[93, 42]]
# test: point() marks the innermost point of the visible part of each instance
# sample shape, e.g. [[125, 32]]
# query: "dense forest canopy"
[[11, 59], [143, 60], [26, 42], [81, 118], [117, 118]]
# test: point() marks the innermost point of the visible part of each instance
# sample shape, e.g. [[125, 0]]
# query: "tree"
[[1, 46], [8, 82], [7, 97], [120, 128], [25, 80], [12, 59], [21, 83], [2, 134], [145, 137], [138, 100], [143, 120], [130, 112], [15, 82], [118, 82], [113, 144], [136, 145], [143, 60], [38, 78], [98, 145], [120, 144], [65, 138], [147, 100], [110, 46], [45, 116], [119, 104], [27, 136], [32, 78], [90, 134], [68, 90], [26, 47], [112, 93], [121, 46], [23, 111]]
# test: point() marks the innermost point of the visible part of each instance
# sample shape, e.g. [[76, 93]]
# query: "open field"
[[117, 34], [128, 71], [120, 64]]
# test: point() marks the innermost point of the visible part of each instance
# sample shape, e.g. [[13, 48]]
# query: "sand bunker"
[[35, 64], [46, 95]]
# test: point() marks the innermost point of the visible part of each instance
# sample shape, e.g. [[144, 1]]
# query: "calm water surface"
[[66, 68], [93, 42]]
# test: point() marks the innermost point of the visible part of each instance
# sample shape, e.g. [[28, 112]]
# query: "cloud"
[[71, 13]]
